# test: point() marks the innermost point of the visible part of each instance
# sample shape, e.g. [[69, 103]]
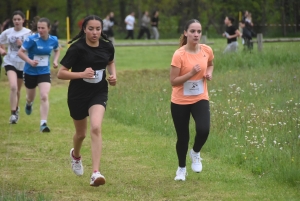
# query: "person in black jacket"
[[247, 36]]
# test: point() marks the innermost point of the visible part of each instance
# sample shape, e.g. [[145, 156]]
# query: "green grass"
[[254, 95]]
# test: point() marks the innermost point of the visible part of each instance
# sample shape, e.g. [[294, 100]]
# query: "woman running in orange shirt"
[[191, 68]]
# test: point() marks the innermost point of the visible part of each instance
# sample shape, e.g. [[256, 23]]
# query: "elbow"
[[59, 75], [173, 83]]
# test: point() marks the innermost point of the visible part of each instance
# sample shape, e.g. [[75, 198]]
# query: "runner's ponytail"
[[183, 38]]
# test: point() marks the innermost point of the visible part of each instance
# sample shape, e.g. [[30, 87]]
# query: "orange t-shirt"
[[183, 94]]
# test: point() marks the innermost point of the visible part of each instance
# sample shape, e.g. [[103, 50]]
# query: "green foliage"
[[173, 13]]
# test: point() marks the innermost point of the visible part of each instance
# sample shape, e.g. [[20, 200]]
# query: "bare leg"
[[96, 113], [30, 95], [20, 83], [44, 92], [13, 84], [80, 126]]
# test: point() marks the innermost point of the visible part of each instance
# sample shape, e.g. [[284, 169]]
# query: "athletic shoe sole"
[[45, 130], [99, 181]]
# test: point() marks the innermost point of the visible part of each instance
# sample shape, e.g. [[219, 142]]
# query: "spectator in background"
[[231, 34], [247, 36], [113, 23], [54, 28], [246, 13], [145, 25], [154, 24], [33, 24], [106, 25], [6, 25], [130, 21], [79, 23]]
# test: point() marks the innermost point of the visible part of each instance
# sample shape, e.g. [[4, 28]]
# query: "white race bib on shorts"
[[193, 87], [97, 77], [42, 59]]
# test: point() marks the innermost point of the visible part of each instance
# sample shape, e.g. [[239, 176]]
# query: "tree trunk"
[[122, 13], [283, 17]]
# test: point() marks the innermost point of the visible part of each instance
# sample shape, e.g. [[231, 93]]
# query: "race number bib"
[[193, 87], [42, 59], [97, 77]]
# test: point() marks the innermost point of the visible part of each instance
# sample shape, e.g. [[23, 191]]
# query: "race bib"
[[42, 59], [97, 77], [193, 87]]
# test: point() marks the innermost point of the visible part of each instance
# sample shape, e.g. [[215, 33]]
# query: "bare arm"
[[55, 59], [112, 79], [65, 74], [209, 70], [22, 55], [2, 50], [176, 80]]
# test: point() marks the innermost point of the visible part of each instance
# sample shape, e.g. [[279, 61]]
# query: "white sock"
[[29, 103], [43, 121], [181, 168]]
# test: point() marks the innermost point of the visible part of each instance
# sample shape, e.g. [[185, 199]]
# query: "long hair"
[[81, 34], [183, 38]]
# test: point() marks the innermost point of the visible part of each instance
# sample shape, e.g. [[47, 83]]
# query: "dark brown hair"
[[81, 34], [183, 38]]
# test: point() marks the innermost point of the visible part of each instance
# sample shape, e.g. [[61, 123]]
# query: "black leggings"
[[181, 118]]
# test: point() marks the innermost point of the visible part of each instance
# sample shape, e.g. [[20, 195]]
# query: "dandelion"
[[280, 148], [164, 90], [274, 141]]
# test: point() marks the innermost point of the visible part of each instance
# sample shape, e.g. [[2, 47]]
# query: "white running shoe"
[[97, 179], [180, 174], [76, 164], [196, 161], [13, 119]]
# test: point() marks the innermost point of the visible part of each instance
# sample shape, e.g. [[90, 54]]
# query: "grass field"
[[253, 151]]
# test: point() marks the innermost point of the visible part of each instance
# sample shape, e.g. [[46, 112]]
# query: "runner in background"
[[191, 68], [14, 37], [231, 33], [130, 21], [145, 26], [111, 31], [154, 24], [37, 68], [90, 54]]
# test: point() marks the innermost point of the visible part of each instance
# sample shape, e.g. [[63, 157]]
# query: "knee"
[[44, 97], [203, 131], [80, 136], [14, 89], [95, 130]]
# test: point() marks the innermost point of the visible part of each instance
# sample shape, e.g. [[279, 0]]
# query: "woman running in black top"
[[88, 58]]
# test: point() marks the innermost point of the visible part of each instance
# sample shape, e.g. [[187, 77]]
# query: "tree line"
[[270, 17]]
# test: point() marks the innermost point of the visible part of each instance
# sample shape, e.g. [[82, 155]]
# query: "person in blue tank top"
[[37, 68]]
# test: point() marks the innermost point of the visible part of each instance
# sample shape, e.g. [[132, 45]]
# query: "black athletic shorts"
[[31, 81], [12, 68], [79, 109]]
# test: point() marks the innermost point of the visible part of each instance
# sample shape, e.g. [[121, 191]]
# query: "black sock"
[[13, 112]]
